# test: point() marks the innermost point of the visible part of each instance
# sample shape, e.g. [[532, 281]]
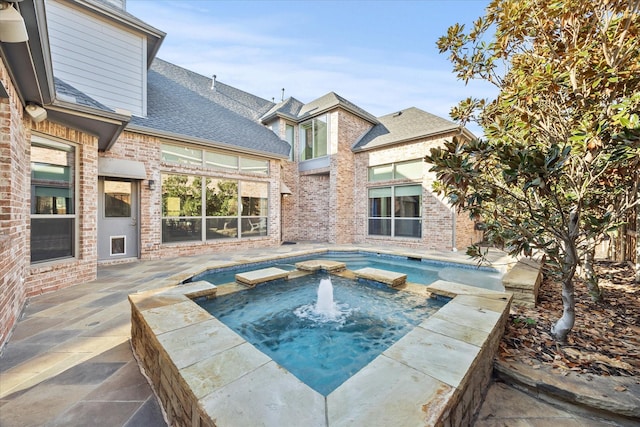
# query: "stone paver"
[[87, 375]]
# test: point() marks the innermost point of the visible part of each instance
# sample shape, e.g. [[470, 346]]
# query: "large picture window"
[[198, 208], [314, 137], [53, 200], [395, 211]]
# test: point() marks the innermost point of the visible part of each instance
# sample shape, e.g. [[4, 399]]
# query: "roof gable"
[[402, 126], [333, 100]]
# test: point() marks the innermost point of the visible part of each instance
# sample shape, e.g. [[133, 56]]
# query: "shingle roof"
[[402, 126], [331, 100], [66, 92], [290, 108], [182, 102]]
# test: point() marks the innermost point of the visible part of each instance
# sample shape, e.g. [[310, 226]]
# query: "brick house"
[[109, 154]]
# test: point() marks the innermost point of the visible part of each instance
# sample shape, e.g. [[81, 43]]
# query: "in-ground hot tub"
[[206, 374]]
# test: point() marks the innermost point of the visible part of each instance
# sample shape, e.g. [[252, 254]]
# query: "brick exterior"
[[20, 279], [14, 183], [437, 215]]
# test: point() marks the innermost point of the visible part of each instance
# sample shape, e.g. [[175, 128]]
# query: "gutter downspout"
[[454, 217]]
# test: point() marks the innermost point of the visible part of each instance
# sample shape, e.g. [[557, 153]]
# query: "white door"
[[117, 219]]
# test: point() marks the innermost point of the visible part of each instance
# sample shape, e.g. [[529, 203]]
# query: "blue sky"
[[380, 55]]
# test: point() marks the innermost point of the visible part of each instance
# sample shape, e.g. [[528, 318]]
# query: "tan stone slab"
[[390, 278], [222, 368], [149, 300], [267, 396], [171, 317], [388, 393], [192, 290], [256, 277], [439, 356], [320, 264], [497, 305], [464, 315], [526, 274], [469, 335], [452, 289], [198, 342]]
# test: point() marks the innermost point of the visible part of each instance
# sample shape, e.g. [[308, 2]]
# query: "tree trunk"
[[564, 325], [590, 276]]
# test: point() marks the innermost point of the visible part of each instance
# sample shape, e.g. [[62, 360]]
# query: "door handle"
[[133, 221]]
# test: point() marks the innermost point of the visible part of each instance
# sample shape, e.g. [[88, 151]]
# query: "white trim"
[[124, 247]]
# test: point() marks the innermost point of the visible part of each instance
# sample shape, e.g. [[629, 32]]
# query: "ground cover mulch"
[[604, 340]]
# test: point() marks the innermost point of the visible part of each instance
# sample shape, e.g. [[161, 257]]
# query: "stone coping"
[[205, 374], [524, 280]]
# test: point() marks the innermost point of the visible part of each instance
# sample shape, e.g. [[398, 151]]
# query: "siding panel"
[[98, 57]]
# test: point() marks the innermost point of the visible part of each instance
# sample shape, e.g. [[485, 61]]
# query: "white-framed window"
[[197, 208], [395, 211], [53, 200], [412, 169], [314, 137], [289, 136], [213, 159]]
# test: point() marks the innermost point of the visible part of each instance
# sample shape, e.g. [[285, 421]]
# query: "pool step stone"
[[390, 278], [255, 277], [321, 264]]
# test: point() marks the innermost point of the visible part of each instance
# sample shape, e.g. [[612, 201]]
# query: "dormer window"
[[313, 138]]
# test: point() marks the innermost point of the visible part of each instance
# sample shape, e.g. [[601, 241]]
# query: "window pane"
[[52, 238], [380, 227], [222, 197], [216, 160], [409, 190], [52, 179], [408, 228], [288, 134], [408, 201], [184, 155], [52, 193], [254, 166], [381, 173], [380, 202], [253, 227], [320, 137], [306, 140], [181, 195], [409, 170], [289, 137], [117, 199], [255, 198], [222, 228], [181, 230]]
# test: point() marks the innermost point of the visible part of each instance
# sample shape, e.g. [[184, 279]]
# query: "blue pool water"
[[422, 272], [323, 354]]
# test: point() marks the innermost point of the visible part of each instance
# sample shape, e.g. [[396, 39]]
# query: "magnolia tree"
[[561, 142]]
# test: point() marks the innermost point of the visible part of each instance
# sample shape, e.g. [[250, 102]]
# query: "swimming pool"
[[418, 270]]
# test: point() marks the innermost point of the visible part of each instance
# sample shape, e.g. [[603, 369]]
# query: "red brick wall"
[[50, 276], [14, 183], [20, 279]]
